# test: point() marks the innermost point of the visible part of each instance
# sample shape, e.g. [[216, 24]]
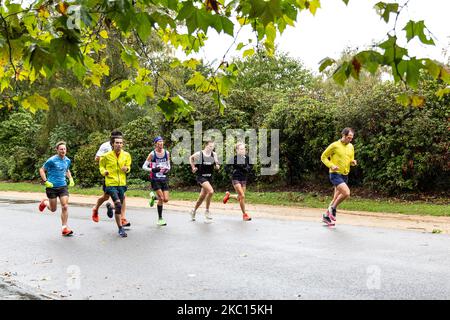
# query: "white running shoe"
[[208, 216], [193, 215]]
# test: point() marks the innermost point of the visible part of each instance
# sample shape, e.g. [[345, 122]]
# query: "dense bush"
[[17, 150], [399, 148], [85, 168], [306, 128]]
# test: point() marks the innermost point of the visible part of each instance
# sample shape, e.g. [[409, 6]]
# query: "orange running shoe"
[[125, 223], [95, 214], [67, 232], [42, 205], [246, 217], [227, 196]]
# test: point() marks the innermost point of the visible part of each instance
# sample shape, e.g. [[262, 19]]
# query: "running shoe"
[[193, 215], [333, 213], [329, 213], [95, 214], [152, 199], [122, 233], [161, 222], [109, 210], [42, 205], [227, 196], [66, 232], [327, 220], [125, 223], [208, 215], [246, 217]]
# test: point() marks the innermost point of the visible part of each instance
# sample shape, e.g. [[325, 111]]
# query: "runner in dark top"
[[239, 169], [203, 164]]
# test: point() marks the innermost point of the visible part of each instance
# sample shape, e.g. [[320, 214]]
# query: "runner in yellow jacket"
[[339, 156], [114, 166]]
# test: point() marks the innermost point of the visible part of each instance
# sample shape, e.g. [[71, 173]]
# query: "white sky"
[[337, 26]]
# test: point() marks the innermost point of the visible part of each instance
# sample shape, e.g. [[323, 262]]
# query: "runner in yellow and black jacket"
[[114, 166]]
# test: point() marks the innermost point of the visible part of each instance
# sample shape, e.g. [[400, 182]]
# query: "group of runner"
[[115, 164]]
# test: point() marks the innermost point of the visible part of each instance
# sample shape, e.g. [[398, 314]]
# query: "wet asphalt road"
[[227, 259]]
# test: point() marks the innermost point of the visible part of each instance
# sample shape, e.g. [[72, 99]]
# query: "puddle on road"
[[16, 201], [7, 202]]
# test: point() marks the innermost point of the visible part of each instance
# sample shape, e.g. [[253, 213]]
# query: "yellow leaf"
[[417, 101], [4, 85], [62, 8], [32, 76], [43, 12], [103, 34], [313, 6]]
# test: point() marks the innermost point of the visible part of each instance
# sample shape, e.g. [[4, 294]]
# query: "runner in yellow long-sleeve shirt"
[[339, 156], [114, 166]]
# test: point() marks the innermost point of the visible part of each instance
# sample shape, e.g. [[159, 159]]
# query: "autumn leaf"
[[62, 8], [212, 5]]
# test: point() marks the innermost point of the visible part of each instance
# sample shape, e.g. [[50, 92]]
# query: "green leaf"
[[130, 58], [175, 63], [63, 95], [140, 92], [325, 63], [115, 92], [248, 52], [370, 60], [39, 57], [172, 106], [404, 99], [196, 80], [410, 70], [414, 29], [433, 68], [385, 9], [345, 1], [35, 102], [186, 11], [442, 92], [342, 73], [392, 52], [219, 101], [445, 75], [191, 63], [228, 26], [143, 25]]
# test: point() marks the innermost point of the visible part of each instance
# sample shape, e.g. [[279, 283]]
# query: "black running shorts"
[[53, 193]]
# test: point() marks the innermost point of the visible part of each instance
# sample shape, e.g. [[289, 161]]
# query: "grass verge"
[[299, 199]]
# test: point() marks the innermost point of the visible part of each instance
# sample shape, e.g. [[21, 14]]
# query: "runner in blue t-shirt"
[[53, 174]]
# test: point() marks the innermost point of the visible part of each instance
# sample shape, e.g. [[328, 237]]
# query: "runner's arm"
[[69, 176], [42, 174], [128, 163], [148, 162], [352, 158], [167, 169], [326, 154], [216, 160], [193, 159], [102, 167]]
